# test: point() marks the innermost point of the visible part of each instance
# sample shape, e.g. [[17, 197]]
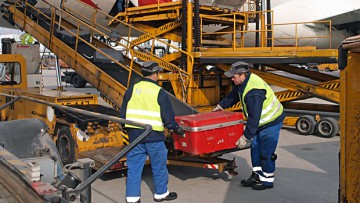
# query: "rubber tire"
[[327, 127], [327, 69], [66, 145], [77, 81], [305, 125]]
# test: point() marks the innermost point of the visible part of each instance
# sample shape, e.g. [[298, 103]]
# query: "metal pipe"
[[76, 110], [189, 41], [9, 103], [58, 74], [72, 194], [85, 173]]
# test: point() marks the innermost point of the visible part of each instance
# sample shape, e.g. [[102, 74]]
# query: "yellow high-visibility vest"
[[271, 108], [143, 106], [27, 39]]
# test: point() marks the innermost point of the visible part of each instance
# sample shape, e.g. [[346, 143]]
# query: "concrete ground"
[[307, 171]]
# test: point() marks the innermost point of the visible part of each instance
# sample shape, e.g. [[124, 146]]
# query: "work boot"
[[262, 186], [169, 197], [254, 178]]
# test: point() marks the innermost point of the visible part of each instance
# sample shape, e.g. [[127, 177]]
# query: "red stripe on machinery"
[[90, 3], [212, 166]]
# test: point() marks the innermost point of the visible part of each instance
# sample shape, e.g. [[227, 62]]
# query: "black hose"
[[257, 28], [268, 15], [257, 21], [184, 35], [197, 43]]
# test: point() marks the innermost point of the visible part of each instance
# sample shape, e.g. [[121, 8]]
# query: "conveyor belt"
[[116, 72]]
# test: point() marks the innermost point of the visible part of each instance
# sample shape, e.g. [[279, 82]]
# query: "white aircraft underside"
[[289, 11]]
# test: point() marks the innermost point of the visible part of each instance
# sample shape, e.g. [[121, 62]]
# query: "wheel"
[[78, 82], [66, 145], [327, 127], [327, 69], [305, 125]]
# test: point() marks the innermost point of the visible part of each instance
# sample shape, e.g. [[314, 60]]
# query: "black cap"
[[237, 68], [150, 67]]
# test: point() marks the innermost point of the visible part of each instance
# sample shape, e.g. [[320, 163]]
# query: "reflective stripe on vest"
[[271, 108], [27, 39], [143, 106]]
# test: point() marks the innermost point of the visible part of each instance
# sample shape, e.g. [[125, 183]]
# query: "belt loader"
[[73, 133], [74, 38]]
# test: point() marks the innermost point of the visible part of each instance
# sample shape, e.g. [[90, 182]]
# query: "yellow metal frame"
[[198, 88], [350, 130], [167, 25]]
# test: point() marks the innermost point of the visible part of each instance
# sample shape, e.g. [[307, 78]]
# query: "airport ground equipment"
[[24, 146], [74, 134], [29, 161], [349, 61], [328, 67], [193, 73], [77, 135], [71, 77]]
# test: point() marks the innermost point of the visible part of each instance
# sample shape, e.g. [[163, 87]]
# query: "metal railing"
[[82, 22], [297, 30], [293, 37]]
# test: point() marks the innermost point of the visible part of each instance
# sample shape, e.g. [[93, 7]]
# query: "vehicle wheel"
[[305, 125], [66, 145], [78, 82], [327, 127], [327, 69]]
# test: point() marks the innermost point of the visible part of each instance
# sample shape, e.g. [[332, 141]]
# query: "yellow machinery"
[[328, 67], [193, 73], [349, 60], [75, 134]]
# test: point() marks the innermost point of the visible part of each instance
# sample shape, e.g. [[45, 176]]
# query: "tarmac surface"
[[307, 170]]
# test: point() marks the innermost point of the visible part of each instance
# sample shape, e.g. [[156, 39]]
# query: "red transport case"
[[209, 132]]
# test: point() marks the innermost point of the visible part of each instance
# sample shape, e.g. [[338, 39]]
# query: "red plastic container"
[[209, 132]]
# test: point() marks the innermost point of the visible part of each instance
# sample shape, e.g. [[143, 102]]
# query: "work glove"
[[179, 131], [243, 143], [217, 108]]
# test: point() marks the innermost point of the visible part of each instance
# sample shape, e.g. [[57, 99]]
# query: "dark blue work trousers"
[[263, 148], [135, 162]]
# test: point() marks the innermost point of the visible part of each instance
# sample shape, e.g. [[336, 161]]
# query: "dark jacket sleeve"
[[126, 99], [230, 99], [254, 100], [166, 111]]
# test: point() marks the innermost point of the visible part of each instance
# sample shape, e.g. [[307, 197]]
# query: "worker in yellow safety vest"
[[264, 114], [27, 39], [146, 102]]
